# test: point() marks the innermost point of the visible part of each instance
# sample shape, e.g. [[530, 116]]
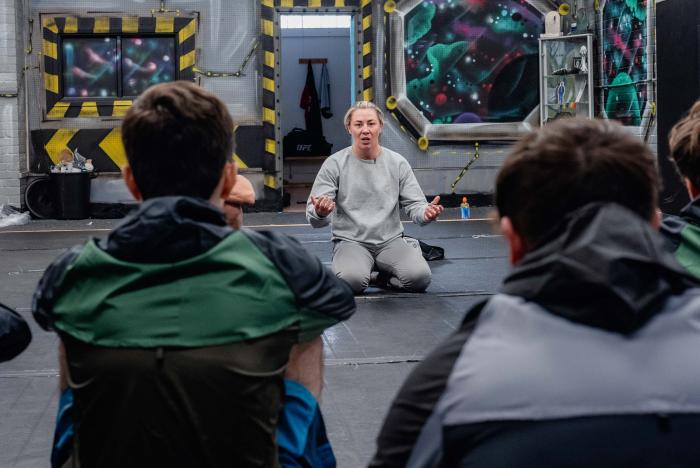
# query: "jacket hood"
[[167, 229], [603, 266], [691, 211], [673, 225]]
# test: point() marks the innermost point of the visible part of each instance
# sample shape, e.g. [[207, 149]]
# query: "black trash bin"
[[71, 191]]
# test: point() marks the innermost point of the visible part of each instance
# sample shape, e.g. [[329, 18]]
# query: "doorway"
[[326, 43]]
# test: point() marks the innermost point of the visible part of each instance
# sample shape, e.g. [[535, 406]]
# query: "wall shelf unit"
[[566, 77]]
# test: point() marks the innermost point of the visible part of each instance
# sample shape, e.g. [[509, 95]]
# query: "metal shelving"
[[566, 77]]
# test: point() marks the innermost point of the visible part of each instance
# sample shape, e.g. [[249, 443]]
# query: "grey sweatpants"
[[402, 261]]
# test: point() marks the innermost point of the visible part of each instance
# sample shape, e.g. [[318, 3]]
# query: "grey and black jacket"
[[586, 357]]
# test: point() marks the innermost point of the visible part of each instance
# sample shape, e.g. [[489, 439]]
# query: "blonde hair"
[[363, 105]]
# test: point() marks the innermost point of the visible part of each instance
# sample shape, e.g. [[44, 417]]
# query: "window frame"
[[57, 106], [400, 106]]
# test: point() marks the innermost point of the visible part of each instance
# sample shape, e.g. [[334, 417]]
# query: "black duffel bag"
[[300, 142]]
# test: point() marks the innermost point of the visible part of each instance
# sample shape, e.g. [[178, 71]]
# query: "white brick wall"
[[9, 121]]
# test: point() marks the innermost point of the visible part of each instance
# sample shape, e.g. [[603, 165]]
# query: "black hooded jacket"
[[603, 266], [15, 335], [602, 269]]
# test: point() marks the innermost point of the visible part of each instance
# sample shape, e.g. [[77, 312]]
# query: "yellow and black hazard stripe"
[[270, 112], [367, 67], [104, 146], [54, 28]]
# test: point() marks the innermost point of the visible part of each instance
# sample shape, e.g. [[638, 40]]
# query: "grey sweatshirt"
[[368, 195]]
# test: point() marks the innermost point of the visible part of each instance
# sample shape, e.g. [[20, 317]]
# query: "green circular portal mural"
[[471, 61]]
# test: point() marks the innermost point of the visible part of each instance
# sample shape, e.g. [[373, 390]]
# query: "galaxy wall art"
[[472, 61], [466, 62], [90, 67], [145, 62], [115, 66]]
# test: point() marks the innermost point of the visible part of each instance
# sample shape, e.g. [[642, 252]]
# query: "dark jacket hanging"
[[310, 103]]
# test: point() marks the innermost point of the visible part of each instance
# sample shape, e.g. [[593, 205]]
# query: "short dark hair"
[[177, 138], [684, 143], [571, 163]]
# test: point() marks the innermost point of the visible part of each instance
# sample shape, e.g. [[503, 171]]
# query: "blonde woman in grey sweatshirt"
[[359, 191]]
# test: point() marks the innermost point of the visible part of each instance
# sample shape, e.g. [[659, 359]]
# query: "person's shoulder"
[[314, 285], [336, 160], [671, 230], [393, 157], [340, 155], [282, 249], [689, 217], [49, 286], [392, 154], [68, 258], [396, 163], [684, 306], [672, 224]]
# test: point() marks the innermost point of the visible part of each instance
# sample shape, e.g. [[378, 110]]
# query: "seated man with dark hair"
[[683, 232], [587, 355], [178, 329]]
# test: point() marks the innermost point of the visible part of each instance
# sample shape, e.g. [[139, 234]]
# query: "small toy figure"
[[464, 209], [561, 90], [584, 61]]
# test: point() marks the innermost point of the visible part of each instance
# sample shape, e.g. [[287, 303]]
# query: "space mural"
[[471, 61]]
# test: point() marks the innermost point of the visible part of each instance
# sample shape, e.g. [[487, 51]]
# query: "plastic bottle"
[[464, 209]]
